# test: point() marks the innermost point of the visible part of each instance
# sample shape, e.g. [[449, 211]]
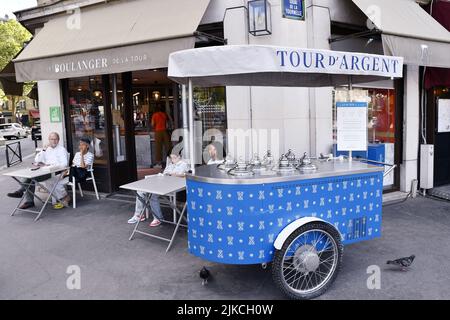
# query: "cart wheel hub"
[[306, 259]]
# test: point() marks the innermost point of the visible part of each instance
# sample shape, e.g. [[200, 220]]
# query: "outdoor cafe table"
[[34, 175], [163, 186]]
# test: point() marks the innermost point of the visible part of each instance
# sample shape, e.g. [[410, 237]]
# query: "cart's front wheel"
[[309, 261]]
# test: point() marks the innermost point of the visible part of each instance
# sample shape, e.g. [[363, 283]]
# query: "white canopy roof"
[[409, 31], [256, 65]]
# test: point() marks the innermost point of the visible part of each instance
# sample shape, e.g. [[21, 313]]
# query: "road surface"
[[27, 146]]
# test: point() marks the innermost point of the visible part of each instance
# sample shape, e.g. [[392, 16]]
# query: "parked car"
[[27, 129], [12, 130]]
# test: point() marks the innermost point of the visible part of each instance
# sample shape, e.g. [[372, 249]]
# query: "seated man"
[[176, 167], [52, 155], [214, 158], [80, 163]]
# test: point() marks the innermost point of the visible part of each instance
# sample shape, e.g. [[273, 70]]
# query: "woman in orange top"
[[159, 125]]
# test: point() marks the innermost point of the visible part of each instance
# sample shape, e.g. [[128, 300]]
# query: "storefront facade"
[[108, 94], [436, 93], [100, 85]]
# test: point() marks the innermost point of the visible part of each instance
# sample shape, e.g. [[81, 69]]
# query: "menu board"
[[443, 115], [351, 126]]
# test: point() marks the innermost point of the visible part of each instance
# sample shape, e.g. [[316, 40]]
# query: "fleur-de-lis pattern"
[[238, 224], [289, 206], [280, 193], [261, 195]]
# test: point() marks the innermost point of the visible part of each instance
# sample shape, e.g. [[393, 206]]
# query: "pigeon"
[[205, 275], [402, 262]]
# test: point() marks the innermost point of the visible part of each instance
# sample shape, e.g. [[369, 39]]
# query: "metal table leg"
[[145, 201], [27, 190], [177, 222], [50, 194], [174, 202], [44, 202], [177, 226]]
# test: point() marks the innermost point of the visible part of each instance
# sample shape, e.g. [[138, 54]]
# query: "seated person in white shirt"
[[176, 167], [82, 160], [80, 163], [213, 154], [52, 154]]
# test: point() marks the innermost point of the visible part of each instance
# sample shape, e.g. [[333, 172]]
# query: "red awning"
[[439, 76], [34, 114]]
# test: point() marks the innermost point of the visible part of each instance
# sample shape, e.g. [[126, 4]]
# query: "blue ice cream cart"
[[296, 213]]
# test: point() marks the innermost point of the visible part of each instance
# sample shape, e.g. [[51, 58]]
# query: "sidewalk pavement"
[[36, 255]]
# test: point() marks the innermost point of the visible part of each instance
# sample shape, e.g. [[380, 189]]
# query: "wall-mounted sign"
[[293, 9], [443, 115], [55, 114], [351, 126]]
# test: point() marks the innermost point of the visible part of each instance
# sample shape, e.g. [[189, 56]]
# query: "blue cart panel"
[[238, 224]]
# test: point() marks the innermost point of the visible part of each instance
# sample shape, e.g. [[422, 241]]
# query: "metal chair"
[[74, 184]]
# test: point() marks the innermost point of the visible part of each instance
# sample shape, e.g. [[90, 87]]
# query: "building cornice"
[[43, 12]]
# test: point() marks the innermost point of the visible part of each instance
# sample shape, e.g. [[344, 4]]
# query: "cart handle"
[[388, 171]]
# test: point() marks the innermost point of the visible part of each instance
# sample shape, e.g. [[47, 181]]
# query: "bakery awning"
[[409, 31], [8, 81], [114, 37]]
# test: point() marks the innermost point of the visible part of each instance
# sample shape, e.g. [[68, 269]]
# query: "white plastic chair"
[[73, 185]]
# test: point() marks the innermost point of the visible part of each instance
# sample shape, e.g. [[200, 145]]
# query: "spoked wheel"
[[309, 261]]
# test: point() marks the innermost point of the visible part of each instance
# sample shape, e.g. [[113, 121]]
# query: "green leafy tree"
[[12, 38]]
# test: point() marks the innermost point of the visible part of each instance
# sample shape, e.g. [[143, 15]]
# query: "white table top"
[[157, 184], [27, 173]]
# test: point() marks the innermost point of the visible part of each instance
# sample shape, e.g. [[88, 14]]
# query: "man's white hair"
[[56, 134]]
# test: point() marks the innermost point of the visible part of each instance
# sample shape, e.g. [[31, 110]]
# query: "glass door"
[[152, 92], [120, 125], [85, 118]]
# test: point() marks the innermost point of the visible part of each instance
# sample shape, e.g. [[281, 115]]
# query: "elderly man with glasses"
[[52, 154]]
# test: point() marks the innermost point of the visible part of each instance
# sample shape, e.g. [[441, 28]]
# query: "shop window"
[[381, 122], [381, 112], [87, 115], [211, 118]]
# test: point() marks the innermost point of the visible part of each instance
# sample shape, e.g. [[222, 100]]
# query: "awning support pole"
[[185, 122], [350, 88], [191, 127]]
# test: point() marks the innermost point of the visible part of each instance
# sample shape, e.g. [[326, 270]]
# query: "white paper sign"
[[351, 126], [444, 115]]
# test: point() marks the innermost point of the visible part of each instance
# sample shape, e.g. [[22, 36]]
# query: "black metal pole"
[[20, 151], [7, 156]]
